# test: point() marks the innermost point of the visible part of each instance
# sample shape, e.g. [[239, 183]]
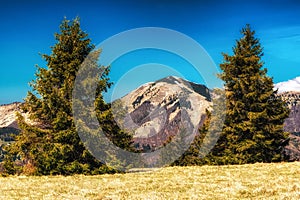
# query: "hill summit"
[[157, 111]]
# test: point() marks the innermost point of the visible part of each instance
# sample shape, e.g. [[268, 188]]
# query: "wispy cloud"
[[291, 36], [283, 42]]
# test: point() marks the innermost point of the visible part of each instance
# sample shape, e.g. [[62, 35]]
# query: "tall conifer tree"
[[255, 115], [52, 146]]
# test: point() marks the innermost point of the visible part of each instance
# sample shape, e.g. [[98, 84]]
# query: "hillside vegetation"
[[255, 181]]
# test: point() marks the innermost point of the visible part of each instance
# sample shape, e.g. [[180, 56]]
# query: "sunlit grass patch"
[[256, 181]]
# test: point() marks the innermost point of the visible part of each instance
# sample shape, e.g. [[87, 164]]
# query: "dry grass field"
[[256, 181]]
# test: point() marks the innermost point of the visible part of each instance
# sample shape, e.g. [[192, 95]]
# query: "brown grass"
[[257, 181]]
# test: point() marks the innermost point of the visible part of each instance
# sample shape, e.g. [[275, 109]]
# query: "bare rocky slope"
[[8, 117], [8, 123], [157, 111]]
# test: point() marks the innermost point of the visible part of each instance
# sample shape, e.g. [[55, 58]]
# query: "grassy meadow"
[[255, 181]]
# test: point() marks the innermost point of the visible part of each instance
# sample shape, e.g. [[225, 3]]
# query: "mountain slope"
[[292, 124], [8, 123], [8, 120], [157, 111], [290, 93], [7, 115]]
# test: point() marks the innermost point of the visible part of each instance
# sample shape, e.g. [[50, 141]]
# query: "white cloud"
[[291, 85]]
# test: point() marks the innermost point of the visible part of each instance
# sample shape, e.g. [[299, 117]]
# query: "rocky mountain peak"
[[156, 111]]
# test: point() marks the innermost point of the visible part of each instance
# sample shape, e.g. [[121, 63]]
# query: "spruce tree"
[[255, 115], [51, 145]]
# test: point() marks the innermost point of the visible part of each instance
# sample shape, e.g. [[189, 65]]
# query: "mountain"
[[8, 123], [292, 124], [289, 91], [8, 117], [152, 130], [8, 120], [157, 111]]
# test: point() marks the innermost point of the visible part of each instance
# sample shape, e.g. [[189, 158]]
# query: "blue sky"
[[27, 29]]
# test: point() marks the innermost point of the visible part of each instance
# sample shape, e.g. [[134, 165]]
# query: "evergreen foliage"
[[255, 114], [52, 145], [253, 127]]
